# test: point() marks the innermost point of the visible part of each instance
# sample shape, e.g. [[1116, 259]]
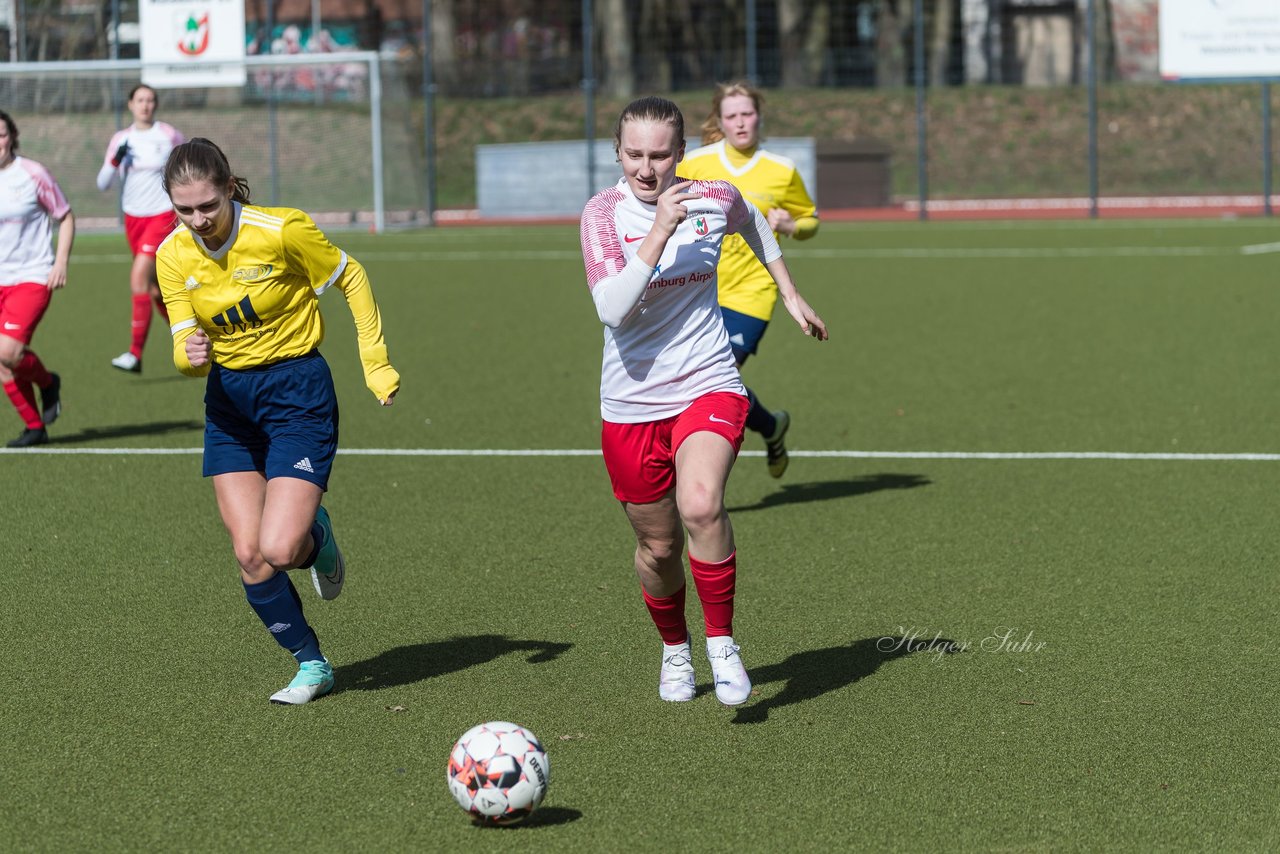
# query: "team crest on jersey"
[[252, 274], [700, 226]]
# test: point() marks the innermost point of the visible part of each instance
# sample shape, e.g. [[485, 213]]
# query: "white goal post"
[[305, 130]]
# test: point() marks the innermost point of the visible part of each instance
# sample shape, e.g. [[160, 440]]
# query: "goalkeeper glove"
[[121, 153]]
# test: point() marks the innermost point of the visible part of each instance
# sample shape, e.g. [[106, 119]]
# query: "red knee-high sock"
[[141, 323], [715, 584], [160, 307], [31, 368], [23, 395], [668, 615]]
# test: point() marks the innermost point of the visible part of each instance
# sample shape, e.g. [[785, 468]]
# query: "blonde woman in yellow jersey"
[[731, 152], [242, 285]]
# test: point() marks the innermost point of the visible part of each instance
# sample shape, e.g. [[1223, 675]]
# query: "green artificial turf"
[[949, 654]]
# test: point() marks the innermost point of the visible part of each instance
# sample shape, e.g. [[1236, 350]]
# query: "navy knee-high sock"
[[278, 605], [317, 540], [759, 419]]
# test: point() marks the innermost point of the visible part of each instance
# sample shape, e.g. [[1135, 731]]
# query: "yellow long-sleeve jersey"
[[767, 181], [257, 296]]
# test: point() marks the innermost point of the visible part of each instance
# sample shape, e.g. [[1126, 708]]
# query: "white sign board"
[[1219, 39], [192, 42]]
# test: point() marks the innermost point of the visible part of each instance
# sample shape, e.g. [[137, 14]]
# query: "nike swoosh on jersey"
[[630, 239]]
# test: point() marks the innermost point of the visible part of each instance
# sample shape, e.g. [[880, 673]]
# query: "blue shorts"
[[279, 419], [745, 332]]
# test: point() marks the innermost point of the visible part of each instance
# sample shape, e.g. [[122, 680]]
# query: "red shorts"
[[641, 458], [146, 233], [21, 307]]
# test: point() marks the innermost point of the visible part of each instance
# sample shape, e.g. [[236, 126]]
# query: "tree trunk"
[[1108, 70], [791, 21], [893, 21], [816, 43], [444, 58], [613, 24], [940, 50]]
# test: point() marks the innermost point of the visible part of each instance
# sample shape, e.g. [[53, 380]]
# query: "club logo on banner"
[[194, 37], [192, 42]]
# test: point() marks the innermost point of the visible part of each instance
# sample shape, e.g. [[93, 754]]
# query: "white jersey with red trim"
[[142, 169], [29, 199], [672, 347]]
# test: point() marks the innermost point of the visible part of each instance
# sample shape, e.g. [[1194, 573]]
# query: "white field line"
[[583, 452], [904, 253], [1260, 249]]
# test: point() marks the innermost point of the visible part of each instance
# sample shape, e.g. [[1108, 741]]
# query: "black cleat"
[[51, 399], [31, 437]]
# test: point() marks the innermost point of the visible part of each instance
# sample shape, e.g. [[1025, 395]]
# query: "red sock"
[[160, 307], [668, 615], [141, 323], [31, 368], [23, 396], [715, 583]]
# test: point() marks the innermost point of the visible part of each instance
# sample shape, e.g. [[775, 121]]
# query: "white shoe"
[[126, 361], [733, 686], [675, 682], [314, 679]]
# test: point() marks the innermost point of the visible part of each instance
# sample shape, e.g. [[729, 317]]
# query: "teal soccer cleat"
[[314, 679], [328, 572]]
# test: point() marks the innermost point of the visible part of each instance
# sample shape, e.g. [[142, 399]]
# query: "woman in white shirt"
[[672, 403], [135, 157], [30, 271]]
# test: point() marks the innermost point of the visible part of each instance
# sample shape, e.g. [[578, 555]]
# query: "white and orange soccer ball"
[[498, 773]]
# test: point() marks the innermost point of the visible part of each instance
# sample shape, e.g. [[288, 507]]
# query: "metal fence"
[[968, 100]]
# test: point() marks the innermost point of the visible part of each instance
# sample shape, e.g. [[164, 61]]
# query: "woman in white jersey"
[[30, 271], [136, 156], [672, 402]]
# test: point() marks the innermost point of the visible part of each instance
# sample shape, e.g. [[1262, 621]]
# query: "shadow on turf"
[[543, 817], [800, 493], [407, 664], [150, 428], [814, 672]]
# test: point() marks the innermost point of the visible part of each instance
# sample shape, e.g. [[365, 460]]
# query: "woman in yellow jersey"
[[731, 152], [242, 286]]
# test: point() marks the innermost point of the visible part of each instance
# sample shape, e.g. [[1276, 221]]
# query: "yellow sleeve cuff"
[[806, 227]]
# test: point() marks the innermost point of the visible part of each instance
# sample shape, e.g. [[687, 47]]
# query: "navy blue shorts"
[[745, 332], [279, 419]]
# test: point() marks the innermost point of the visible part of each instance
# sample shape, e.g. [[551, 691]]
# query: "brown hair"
[[711, 131], [649, 109], [135, 89], [13, 131], [198, 159]]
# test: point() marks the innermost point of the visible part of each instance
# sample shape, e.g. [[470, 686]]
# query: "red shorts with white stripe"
[[21, 307], [146, 233], [641, 458]]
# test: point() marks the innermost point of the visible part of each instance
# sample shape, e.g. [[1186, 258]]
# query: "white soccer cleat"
[[314, 679], [676, 682], [126, 361], [733, 686]]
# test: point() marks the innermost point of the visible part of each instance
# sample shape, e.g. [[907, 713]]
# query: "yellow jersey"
[[257, 296], [767, 181]]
